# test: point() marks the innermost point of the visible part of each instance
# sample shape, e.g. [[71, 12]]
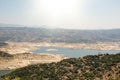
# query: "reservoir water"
[[72, 53], [67, 52], [3, 72]]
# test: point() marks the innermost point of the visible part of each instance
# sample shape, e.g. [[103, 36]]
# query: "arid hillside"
[[97, 67], [25, 34]]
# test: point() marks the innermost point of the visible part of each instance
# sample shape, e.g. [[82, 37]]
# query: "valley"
[[23, 55], [19, 49]]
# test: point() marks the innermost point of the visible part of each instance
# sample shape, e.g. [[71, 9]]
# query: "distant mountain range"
[[29, 34]]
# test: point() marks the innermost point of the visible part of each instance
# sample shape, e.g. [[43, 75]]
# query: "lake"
[[67, 52], [3, 72], [72, 53]]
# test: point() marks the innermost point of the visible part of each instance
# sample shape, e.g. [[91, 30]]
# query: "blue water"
[[73, 53], [4, 72]]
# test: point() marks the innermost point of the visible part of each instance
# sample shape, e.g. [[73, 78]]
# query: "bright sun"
[[56, 10], [57, 7]]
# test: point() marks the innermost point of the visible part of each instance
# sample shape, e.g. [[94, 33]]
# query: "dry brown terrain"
[[21, 47], [21, 60]]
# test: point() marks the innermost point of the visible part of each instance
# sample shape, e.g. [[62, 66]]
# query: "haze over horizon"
[[68, 14]]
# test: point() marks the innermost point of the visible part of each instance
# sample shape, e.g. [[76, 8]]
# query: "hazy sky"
[[76, 14]]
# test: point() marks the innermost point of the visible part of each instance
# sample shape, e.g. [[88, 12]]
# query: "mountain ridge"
[[29, 34]]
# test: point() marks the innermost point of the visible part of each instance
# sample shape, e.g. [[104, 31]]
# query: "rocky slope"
[[97, 67]]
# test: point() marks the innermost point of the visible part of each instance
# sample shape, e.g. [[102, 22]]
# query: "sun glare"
[[57, 8], [57, 12]]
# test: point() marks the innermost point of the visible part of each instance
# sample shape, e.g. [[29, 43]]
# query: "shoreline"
[[22, 47], [25, 59], [23, 56]]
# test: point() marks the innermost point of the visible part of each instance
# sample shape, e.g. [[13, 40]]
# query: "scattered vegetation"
[[91, 67], [4, 54], [24, 34]]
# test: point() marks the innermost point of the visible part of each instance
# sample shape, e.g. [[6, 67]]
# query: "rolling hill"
[[30, 34], [91, 67]]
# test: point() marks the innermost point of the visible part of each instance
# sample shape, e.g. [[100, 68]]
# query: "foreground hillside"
[[97, 67]]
